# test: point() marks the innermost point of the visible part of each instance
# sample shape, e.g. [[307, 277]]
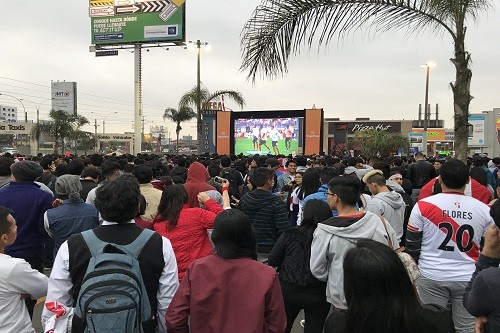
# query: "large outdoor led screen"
[[268, 136]]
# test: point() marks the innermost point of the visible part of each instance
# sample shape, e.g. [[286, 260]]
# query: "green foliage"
[[178, 116], [279, 29], [378, 143], [190, 98], [61, 125]]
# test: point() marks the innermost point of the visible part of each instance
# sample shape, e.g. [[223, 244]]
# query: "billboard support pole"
[[137, 99]]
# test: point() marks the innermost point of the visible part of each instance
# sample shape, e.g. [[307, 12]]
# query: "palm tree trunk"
[[177, 142], [56, 144], [461, 95]]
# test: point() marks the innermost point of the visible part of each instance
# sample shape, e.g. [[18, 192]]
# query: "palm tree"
[[190, 98], [278, 28], [178, 116], [378, 143], [62, 125]]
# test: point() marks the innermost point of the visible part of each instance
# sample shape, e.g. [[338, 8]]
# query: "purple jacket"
[[28, 204]]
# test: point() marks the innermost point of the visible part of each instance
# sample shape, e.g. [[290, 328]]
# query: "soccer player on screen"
[[255, 138], [263, 139], [275, 136], [288, 137]]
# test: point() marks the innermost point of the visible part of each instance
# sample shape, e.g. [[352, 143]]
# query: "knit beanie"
[[69, 186], [215, 195], [26, 171]]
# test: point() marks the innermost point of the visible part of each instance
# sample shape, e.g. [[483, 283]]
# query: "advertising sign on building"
[[64, 97], [115, 22], [15, 128], [416, 141], [433, 134], [361, 126], [208, 130], [477, 138]]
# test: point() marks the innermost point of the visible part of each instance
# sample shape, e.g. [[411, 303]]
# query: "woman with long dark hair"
[[310, 184], [229, 291], [381, 297], [291, 255], [186, 227]]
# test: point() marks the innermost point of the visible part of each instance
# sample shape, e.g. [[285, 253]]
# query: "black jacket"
[[291, 255], [482, 294], [420, 173], [268, 216]]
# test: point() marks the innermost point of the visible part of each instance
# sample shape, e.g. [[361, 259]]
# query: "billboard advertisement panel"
[[115, 22], [64, 96], [477, 138]]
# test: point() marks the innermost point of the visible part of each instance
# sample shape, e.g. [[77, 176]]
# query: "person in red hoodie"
[[197, 178], [186, 227]]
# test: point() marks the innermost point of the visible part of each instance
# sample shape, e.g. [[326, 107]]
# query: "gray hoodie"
[[359, 172], [391, 206], [332, 239]]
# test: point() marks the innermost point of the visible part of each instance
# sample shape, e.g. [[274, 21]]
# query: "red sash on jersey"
[[435, 214]]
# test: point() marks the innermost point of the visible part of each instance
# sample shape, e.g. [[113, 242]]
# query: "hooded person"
[[197, 178], [73, 216], [333, 237], [385, 202]]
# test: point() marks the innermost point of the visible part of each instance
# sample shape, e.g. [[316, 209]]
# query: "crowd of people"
[[212, 243]]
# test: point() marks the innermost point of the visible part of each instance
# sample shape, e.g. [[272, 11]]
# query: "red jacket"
[[196, 183], [189, 237], [473, 189], [227, 296]]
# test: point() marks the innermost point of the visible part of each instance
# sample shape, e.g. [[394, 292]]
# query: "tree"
[[278, 28], [190, 99], [61, 125], [178, 116], [378, 143], [84, 141]]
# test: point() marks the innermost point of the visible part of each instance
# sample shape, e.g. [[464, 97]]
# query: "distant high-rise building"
[[8, 113]]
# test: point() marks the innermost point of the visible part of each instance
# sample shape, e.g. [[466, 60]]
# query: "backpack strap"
[[93, 243], [96, 245]]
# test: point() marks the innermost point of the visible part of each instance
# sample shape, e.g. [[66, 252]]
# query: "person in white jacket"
[[336, 235], [17, 281]]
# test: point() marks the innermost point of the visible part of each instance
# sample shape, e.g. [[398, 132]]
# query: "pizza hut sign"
[[378, 127]]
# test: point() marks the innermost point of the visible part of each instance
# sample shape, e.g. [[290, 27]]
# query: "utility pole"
[[95, 136]]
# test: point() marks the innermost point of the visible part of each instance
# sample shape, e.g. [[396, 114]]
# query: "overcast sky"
[[378, 78]]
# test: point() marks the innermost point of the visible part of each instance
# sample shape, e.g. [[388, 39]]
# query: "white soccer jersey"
[[452, 226]]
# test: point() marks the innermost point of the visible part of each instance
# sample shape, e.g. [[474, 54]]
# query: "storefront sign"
[[15, 128], [361, 126], [433, 134]]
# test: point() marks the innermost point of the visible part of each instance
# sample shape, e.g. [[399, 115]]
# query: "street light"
[[37, 119], [103, 119], [198, 44], [20, 101], [427, 67]]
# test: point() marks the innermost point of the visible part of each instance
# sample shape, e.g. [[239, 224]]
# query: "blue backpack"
[[113, 298]]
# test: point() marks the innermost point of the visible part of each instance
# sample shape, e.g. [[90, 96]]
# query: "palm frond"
[[280, 28], [236, 96]]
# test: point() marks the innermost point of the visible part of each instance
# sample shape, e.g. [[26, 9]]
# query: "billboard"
[[64, 96], [433, 134], [115, 22], [477, 138]]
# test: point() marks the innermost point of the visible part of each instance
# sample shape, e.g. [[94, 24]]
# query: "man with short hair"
[[28, 203], [419, 173], [385, 203], [287, 177], [117, 201], [266, 211], [444, 236], [110, 170], [18, 280], [327, 174], [234, 176], [144, 175]]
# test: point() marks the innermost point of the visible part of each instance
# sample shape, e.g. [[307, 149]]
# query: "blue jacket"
[[28, 204], [320, 195], [70, 218]]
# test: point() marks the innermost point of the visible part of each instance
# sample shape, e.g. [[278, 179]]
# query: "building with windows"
[[8, 113]]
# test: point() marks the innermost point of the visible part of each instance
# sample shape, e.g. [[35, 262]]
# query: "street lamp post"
[[104, 119], [427, 67], [198, 45], [20, 101], [37, 120]]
